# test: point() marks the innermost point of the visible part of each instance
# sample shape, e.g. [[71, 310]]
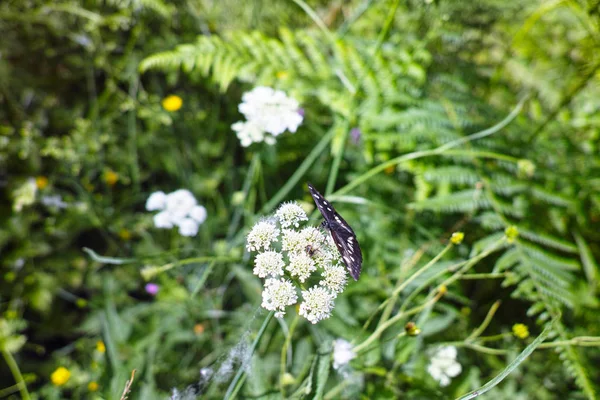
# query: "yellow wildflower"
[[110, 177], [41, 182], [60, 376], [100, 347], [457, 237], [521, 331], [282, 75], [93, 386], [443, 290], [172, 103]]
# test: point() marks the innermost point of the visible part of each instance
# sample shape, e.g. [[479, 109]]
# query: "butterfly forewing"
[[342, 233]]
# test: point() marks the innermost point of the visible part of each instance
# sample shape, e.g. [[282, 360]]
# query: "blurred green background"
[[82, 85]]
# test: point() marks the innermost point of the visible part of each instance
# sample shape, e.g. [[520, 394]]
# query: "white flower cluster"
[[268, 113], [288, 256], [443, 365], [178, 208]]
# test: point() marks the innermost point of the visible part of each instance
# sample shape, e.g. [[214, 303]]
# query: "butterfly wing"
[[348, 246], [342, 234]]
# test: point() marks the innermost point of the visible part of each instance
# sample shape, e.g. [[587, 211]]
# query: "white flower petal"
[[163, 220], [156, 201], [198, 213], [188, 227]]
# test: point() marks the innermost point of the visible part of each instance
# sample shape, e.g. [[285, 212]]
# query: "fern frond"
[[548, 240]]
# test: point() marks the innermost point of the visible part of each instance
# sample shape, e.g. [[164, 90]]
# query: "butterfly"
[[342, 234]]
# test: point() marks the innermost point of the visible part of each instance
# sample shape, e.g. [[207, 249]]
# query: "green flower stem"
[[302, 169], [479, 348], [151, 271], [464, 266], [16, 372], [584, 341], [250, 176], [335, 167], [391, 301], [488, 318], [381, 328], [386, 27], [284, 351], [486, 276], [514, 364], [240, 376]]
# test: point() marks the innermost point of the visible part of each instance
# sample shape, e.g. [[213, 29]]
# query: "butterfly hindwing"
[[341, 232]]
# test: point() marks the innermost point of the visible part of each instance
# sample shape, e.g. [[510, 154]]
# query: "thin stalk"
[[234, 388], [386, 27], [254, 164], [16, 373], [151, 271], [380, 329], [284, 351], [488, 318], [401, 286], [302, 169], [335, 167]]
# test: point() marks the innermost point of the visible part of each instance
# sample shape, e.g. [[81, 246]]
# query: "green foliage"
[[81, 85]]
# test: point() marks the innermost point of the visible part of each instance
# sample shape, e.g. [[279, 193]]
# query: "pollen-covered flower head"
[[290, 214], [278, 294], [335, 278], [269, 263], [262, 235], [301, 265], [291, 257], [317, 304]]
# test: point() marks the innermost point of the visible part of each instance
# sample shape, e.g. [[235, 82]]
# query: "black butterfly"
[[342, 234]]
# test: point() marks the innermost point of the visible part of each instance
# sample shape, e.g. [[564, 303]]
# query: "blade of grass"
[[513, 365]]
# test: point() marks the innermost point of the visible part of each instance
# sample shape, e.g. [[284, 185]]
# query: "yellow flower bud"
[[60, 376], [172, 103], [457, 237], [521, 331], [100, 347]]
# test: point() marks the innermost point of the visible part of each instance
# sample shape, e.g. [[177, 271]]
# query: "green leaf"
[[513, 365]]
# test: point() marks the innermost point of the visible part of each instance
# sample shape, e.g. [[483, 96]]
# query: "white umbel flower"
[[198, 214], [290, 214], [156, 201], [272, 109], [443, 365], [317, 304], [268, 113], [342, 353], [180, 203], [277, 295], [269, 263], [262, 235], [301, 265], [163, 220], [179, 209], [293, 241], [188, 227], [335, 278], [249, 132]]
